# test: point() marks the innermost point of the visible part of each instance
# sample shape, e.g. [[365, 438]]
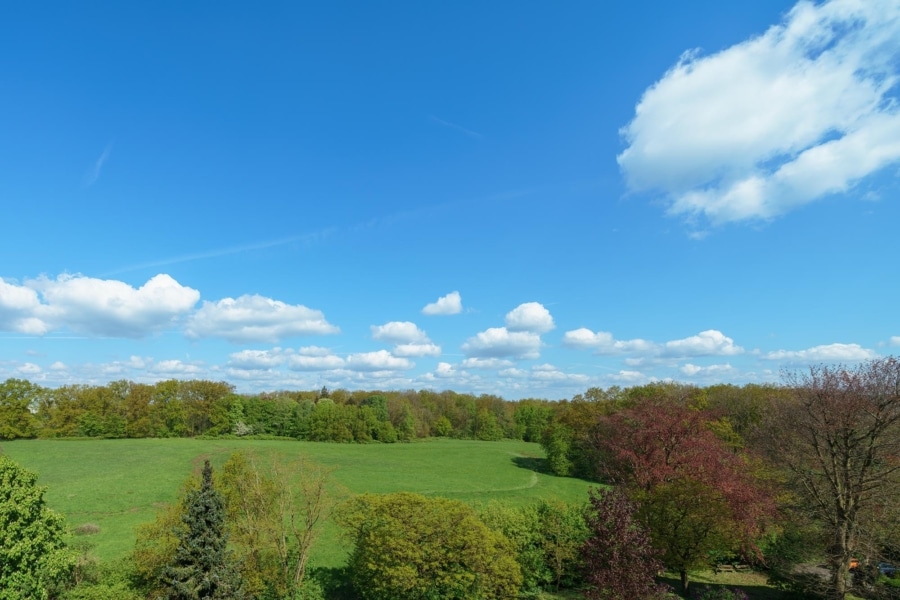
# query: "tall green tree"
[[33, 556], [202, 567]]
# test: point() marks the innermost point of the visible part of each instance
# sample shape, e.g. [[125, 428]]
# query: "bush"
[[417, 548], [87, 529], [720, 593]]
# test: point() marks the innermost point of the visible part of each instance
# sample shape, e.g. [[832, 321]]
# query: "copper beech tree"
[[695, 494], [838, 435]]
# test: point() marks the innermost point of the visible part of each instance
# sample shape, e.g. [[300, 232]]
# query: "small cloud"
[[531, 316], [254, 360], [895, 340], [824, 353], [94, 174], [444, 369], [319, 362], [451, 304], [416, 350], [29, 368], [256, 319], [399, 332], [468, 132], [706, 343], [499, 342], [692, 370], [486, 363], [381, 360]]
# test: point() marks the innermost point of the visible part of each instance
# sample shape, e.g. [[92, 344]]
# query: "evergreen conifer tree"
[[202, 567]]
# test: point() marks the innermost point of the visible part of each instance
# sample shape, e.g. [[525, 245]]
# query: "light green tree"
[[17, 398], [34, 559], [417, 548]]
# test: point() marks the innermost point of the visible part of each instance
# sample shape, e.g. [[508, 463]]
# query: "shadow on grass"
[[757, 590], [533, 463]]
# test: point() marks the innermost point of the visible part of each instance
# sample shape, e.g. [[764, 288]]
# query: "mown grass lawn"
[[119, 484]]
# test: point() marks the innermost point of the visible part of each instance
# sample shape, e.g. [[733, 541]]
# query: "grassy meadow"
[[119, 484]]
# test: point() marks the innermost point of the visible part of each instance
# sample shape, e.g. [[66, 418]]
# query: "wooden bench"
[[732, 568]]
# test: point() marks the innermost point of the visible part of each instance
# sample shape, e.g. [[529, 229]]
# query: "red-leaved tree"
[[696, 495], [620, 562]]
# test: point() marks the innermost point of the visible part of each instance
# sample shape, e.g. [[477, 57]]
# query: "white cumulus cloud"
[[101, 307], [486, 363], [824, 353], [603, 342], [451, 304], [706, 343], [253, 360], [254, 318], [316, 362], [399, 332], [416, 350], [380, 360], [530, 316], [716, 371], [499, 342], [775, 122]]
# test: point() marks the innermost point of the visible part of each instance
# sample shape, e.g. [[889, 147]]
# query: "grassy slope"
[[119, 484]]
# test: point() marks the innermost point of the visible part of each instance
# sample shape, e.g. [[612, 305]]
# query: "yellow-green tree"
[[417, 548]]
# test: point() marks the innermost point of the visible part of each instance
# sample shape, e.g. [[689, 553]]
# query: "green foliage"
[[557, 442], [546, 536], [272, 526], [202, 566], [110, 581], [417, 548], [17, 398], [34, 559]]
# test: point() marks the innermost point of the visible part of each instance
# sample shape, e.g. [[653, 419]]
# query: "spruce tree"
[[202, 567]]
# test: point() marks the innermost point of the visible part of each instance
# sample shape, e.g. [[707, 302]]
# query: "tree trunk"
[[684, 582]]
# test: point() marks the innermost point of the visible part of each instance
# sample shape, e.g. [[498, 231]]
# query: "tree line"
[[192, 408]]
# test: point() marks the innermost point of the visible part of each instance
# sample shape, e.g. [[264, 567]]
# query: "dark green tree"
[[33, 557], [202, 567]]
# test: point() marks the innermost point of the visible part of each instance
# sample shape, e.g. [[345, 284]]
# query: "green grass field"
[[119, 484]]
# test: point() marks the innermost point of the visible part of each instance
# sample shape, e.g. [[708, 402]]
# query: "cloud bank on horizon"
[[806, 110], [102, 308]]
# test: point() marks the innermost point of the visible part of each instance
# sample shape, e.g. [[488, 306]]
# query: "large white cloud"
[[102, 307], [499, 342], [451, 304], [778, 121], [530, 316], [825, 353], [256, 319]]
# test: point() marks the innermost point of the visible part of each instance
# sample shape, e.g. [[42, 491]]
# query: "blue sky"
[[525, 199]]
